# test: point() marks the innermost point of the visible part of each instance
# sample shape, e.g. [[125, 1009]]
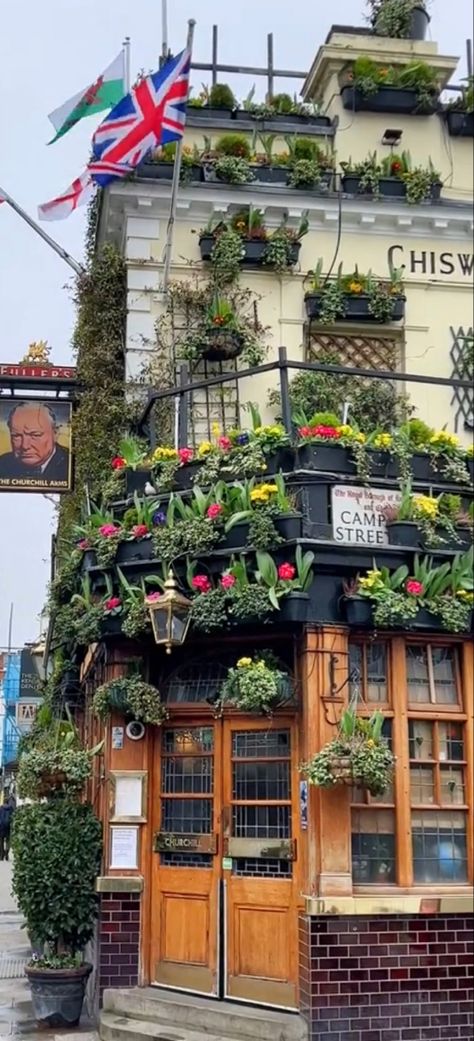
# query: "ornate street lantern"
[[170, 615]]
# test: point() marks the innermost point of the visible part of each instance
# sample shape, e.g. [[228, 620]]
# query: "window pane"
[[444, 675], [452, 785], [451, 741], [421, 739], [187, 816], [422, 784], [261, 744], [417, 675], [355, 670], [439, 847], [376, 673], [261, 780], [373, 846], [261, 822]]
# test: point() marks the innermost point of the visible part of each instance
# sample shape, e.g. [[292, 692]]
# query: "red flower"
[[323, 431], [108, 530], [225, 443], [118, 463], [84, 545], [112, 604], [214, 511], [396, 167], [286, 572], [413, 587], [201, 583], [305, 431], [227, 581], [139, 531], [185, 455]]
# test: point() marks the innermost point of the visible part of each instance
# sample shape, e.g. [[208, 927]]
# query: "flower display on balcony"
[[355, 297], [393, 176]]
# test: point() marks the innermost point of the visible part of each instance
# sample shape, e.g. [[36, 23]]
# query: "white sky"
[[48, 52]]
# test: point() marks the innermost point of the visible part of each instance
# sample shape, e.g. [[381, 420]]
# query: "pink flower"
[[84, 545], [201, 583], [225, 443], [286, 572], [185, 455], [151, 598], [305, 431], [139, 531], [118, 463], [324, 431], [108, 530], [227, 581], [413, 587], [112, 604], [214, 511]]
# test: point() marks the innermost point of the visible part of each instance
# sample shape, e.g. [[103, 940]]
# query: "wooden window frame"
[[401, 713]]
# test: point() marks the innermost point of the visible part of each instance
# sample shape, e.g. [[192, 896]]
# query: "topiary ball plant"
[[221, 96], [233, 144]]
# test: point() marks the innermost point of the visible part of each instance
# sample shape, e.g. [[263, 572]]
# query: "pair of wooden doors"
[[225, 868]]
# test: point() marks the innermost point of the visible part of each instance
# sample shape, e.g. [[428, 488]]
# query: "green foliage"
[[57, 850], [59, 770], [305, 173], [256, 685], [221, 96], [359, 756], [393, 18], [233, 170], [195, 535], [209, 611], [418, 432], [262, 531], [227, 254], [282, 104], [235, 145], [130, 696]]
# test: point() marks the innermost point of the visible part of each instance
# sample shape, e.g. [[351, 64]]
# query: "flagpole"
[[164, 31], [79, 270], [175, 186], [126, 54]]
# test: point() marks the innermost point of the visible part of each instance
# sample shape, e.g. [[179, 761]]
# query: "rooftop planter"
[[411, 89], [459, 123], [214, 104], [392, 177], [246, 242], [399, 19], [354, 298]]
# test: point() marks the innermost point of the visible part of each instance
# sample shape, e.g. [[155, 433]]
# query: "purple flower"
[[242, 439], [158, 518]]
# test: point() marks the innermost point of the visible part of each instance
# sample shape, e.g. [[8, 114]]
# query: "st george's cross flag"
[[104, 93], [152, 114], [78, 194]]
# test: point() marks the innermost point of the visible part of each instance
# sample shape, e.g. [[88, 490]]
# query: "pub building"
[[340, 912]]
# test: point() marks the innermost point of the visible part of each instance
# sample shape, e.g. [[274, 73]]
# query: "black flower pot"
[[289, 526], [111, 625], [57, 995], [222, 344], [270, 174], [184, 477], [294, 608], [420, 21], [460, 124], [148, 170], [426, 620], [236, 538], [326, 458], [405, 533], [210, 114], [387, 99], [389, 187], [89, 560], [135, 481], [134, 549], [382, 464], [358, 611], [282, 460], [470, 466], [356, 308]]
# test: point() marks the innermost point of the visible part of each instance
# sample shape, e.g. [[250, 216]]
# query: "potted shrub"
[[358, 757], [260, 515], [288, 584], [159, 164], [217, 103], [400, 19], [459, 114], [354, 297], [248, 242], [131, 697], [411, 89], [255, 685], [431, 598], [320, 448], [357, 608], [422, 521], [57, 855], [395, 176]]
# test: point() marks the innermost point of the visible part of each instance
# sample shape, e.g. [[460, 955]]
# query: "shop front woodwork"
[[225, 857]]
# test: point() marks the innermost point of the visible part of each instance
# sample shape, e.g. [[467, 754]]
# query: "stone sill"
[[433, 903], [119, 884]]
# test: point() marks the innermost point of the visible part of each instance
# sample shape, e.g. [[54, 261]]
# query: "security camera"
[[135, 730]]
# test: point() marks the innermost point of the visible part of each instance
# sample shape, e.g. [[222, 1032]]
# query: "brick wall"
[[119, 940], [393, 978]]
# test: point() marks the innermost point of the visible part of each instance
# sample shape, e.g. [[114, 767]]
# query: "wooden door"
[[260, 861], [224, 881]]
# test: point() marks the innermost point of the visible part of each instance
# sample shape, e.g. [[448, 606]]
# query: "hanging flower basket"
[[222, 344], [359, 757]]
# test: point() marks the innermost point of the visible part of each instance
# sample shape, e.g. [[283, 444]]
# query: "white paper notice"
[[124, 847], [128, 797]]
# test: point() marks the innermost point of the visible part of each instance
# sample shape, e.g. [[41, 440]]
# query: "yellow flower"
[[464, 594], [425, 505], [345, 430], [370, 743], [243, 663], [360, 437], [383, 441], [204, 448], [258, 495], [161, 453], [443, 437], [270, 489], [216, 430], [355, 287]]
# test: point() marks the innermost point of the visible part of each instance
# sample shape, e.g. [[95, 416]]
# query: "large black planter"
[[420, 21], [89, 560], [410, 535], [236, 538], [460, 124], [421, 468], [289, 526], [382, 464], [184, 477], [387, 99], [282, 119], [356, 308], [208, 113], [222, 344], [426, 620], [293, 608], [270, 174], [135, 481], [57, 995], [327, 458], [154, 171], [282, 460], [255, 250], [389, 187], [358, 611], [139, 549]]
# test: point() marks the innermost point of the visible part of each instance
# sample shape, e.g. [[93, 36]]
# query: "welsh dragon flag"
[[107, 90]]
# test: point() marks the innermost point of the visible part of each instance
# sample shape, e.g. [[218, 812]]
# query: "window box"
[[460, 124], [135, 481], [328, 458], [283, 119], [89, 560], [208, 113], [389, 187], [387, 99], [293, 608], [409, 534], [283, 459], [134, 549], [356, 307], [270, 174], [255, 250], [156, 171]]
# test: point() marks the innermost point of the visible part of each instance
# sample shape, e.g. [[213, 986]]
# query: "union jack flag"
[[152, 114]]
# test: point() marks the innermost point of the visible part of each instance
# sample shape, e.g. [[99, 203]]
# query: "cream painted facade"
[[434, 240]]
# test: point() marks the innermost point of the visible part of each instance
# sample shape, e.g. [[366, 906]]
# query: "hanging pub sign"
[[357, 514], [35, 445]]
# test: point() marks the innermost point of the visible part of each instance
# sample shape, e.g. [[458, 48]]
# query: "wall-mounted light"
[[392, 138], [170, 615]]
